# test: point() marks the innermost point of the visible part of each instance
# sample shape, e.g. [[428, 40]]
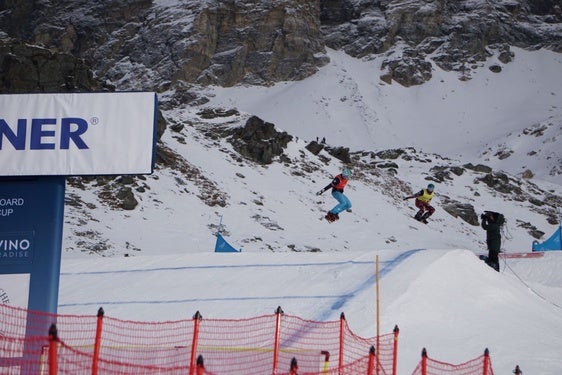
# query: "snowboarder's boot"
[[330, 217], [494, 265], [423, 219], [336, 217], [418, 216]]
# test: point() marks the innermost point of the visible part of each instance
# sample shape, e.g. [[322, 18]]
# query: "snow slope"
[[447, 301], [444, 299], [467, 120]]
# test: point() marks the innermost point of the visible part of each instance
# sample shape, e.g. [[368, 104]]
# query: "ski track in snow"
[[388, 267], [341, 299]]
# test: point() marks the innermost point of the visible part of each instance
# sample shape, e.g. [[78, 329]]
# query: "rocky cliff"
[[175, 47], [141, 44]]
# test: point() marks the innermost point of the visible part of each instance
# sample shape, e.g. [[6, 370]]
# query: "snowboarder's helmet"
[[346, 173], [430, 187]]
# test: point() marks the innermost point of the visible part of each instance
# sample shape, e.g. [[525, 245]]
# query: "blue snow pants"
[[343, 202]]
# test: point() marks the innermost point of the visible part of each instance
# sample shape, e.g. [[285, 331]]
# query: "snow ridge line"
[[192, 300], [181, 268], [388, 267], [341, 299]]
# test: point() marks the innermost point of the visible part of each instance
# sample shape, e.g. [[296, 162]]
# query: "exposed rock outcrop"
[[259, 141], [454, 35], [137, 44], [145, 45], [28, 69]]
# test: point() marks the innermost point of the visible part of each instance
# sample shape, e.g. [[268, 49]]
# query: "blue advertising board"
[[31, 224], [43, 139]]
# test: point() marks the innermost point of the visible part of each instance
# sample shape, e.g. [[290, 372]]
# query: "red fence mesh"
[[30, 343], [481, 365]]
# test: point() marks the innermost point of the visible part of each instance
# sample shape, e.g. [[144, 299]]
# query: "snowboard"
[[325, 217], [420, 219], [322, 218]]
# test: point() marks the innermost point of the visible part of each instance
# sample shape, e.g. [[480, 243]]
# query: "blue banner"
[[16, 247], [221, 246], [553, 243], [31, 224]]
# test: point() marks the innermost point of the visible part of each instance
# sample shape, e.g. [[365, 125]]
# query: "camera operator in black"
[[491, 223]]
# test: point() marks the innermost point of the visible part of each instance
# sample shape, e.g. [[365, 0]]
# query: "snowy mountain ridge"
[[408, 91]]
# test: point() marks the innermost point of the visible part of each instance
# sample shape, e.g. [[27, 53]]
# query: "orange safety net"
[[264, 344], [36, 343], [480, 365]]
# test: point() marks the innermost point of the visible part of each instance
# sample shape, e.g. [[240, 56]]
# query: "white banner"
[[77, 134]]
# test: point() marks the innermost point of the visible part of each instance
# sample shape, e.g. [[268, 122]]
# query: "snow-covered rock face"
[[148, 45], [454, 35], [141, 44], [203, 172], [28, 68]]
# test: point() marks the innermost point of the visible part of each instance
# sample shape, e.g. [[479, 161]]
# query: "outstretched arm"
[[419, 193], [329, 186], [324, 189]]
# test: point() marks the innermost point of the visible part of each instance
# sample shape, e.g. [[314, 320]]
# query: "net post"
[[396, 331], [342, 335], [424, 362], [200, 365], [486, 361], [97, 343], [294, 367], [196, 321], [278, 314], [53, 342], [372, 358]]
